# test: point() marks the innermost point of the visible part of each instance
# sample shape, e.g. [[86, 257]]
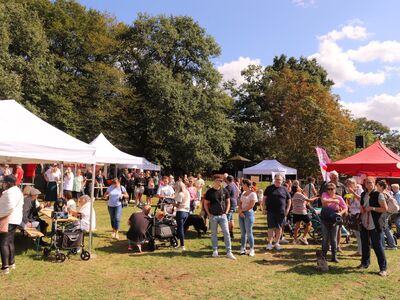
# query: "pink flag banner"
[[323, 159]]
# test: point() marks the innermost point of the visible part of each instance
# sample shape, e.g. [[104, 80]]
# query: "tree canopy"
[[152, 88]]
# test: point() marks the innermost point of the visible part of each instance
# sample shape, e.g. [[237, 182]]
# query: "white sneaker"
[[284, 241], [277, 246], [183, 248], [5, 271], [269, 247], [251, 253], [242, 251], [215, 253], [230, 256], [295, 242], [304, 241], [13, 266]]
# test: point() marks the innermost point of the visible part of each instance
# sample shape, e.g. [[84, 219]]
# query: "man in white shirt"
[[68, 180]]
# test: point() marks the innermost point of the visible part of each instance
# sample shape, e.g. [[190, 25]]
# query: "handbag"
[[124, 202], [4, 224]]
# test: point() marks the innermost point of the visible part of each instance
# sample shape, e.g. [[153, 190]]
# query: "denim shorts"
[[229, 216]]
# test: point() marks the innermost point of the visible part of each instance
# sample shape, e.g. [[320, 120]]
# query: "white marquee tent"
[[25, 138], [269, 167], [108, 153]]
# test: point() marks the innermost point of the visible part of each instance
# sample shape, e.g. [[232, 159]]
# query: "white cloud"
[[304, 3], [383, 108], [352, 32], [387, 51], [340, 67], [233, 69]]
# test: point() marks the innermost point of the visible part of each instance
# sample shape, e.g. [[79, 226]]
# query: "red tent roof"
[[376, 160]]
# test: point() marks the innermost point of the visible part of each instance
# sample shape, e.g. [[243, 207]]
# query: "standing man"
[[233, 196], [68, 181], [277, 202], [217, 205]]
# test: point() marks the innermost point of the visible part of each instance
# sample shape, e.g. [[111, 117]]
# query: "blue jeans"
[[246, 229], [389, 235], [397, 222], [372, 238], [329, 236], [181, 217], [223, 222], [115, 216]]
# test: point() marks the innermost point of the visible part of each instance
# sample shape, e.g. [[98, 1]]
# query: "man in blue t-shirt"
[[276, 206], [233, 195]]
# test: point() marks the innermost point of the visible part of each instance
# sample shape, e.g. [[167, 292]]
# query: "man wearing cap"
[[11, 203], [30, 212]]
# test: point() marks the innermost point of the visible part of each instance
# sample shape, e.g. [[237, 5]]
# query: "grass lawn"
[[169, 273]]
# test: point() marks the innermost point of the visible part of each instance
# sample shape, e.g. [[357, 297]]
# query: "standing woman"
[[332, 205], [246, 216], [182, 199], [353, 202], [373, 204], [78, 184], [115, 193], [11, 206], [52, 177]]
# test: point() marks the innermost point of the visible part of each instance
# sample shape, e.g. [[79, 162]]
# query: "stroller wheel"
[[174, 242], [85, 255], [61, 257], [46, 252]]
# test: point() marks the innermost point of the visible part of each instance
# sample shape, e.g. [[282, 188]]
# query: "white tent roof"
[[25, 138], [145, 165], [108, 153], [268, 167]]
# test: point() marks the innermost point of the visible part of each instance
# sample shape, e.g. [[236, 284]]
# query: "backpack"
[[393, 206]]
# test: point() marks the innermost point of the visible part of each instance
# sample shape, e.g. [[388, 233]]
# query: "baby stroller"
[[316, 232], [64, 238], [162, 226]]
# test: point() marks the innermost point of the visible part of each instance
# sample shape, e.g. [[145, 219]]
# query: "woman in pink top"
[[332, 206]]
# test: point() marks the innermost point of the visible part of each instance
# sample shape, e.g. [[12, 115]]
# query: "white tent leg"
[[91, 212]]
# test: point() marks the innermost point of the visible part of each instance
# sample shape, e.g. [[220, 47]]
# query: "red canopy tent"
[[376, 160]]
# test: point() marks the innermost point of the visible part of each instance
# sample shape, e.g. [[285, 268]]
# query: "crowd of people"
[[366, 209], [19, 209]]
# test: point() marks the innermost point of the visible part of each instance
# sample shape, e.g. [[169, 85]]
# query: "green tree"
[[181, 118], [86, 51], [289, 107], [371, 130]]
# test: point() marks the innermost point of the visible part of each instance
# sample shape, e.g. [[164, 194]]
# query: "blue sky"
[[357, 41]]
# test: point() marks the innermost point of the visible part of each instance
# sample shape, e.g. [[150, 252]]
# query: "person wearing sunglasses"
[[333, 207]]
